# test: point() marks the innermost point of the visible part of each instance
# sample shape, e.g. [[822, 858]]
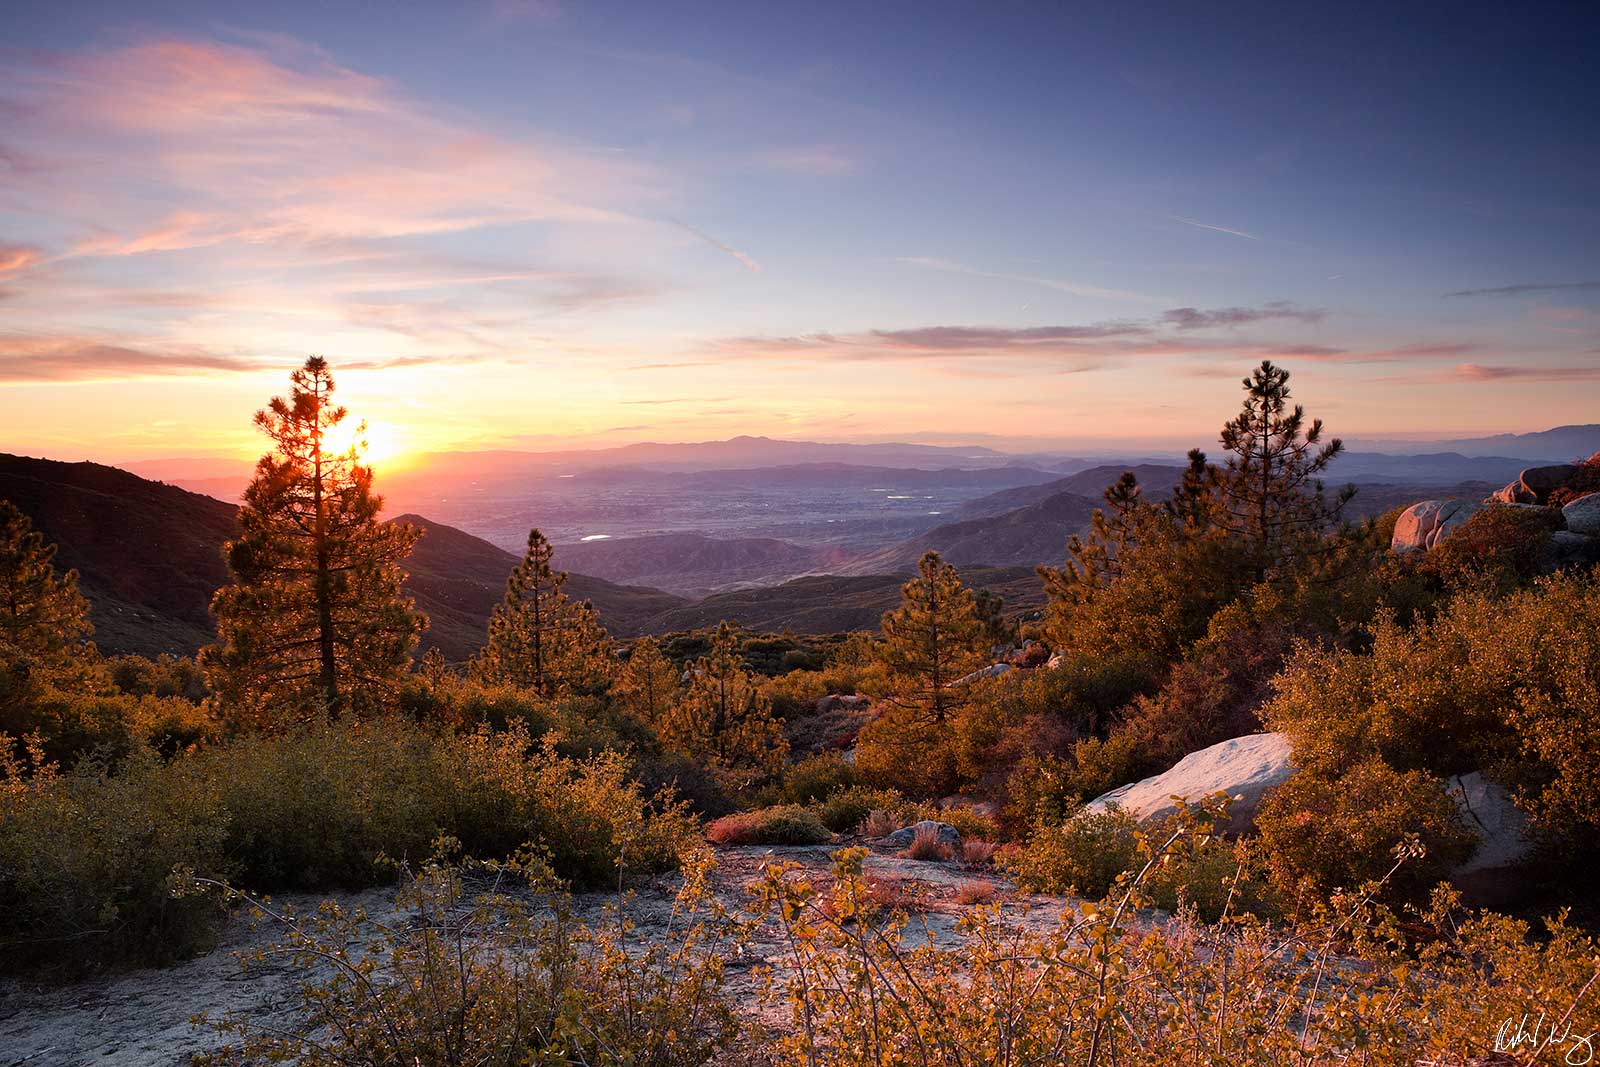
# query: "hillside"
[[1156, 479], [694, 564], [1024, 537], [149, 557], [458, 579], [829, 603]]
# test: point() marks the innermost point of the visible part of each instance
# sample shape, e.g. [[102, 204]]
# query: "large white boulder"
[[1583, 515], [1424, 524], [1244, 767]]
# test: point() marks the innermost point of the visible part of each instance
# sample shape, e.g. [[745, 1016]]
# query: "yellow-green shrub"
[[782, 824]]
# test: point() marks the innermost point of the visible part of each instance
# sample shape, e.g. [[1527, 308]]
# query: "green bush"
[[844, 812], [84, 857], [783, 824], [87, 862], [816, 778], [1318, 834], [1083, 855], [1507, 685]]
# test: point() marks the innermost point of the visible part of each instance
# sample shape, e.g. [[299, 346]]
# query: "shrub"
[[784, 824], [866, 988], [816, 778], [968, 821], [974, 892], [326, 806], [1319, 834], [86, 858], [1508, 685], [1501, 547], [500, 981], [845, 811], [87, 865], [925, 845], [881, 822], [1083, 855]]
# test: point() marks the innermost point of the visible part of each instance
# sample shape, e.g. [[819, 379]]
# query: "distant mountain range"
[[1561, 444], [149, 553]]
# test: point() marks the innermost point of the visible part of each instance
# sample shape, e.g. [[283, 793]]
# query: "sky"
[[542, 223]]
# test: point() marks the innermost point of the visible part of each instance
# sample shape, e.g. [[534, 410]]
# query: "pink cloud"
[[17, 257], [277, 143]]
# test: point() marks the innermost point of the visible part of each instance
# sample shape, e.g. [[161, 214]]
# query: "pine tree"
[[44, 621], [647, 684], [315, 621], [724, 719], [539, 637], [1269, 493], [933, 639]]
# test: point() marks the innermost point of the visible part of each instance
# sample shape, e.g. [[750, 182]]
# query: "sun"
[[377, 441]]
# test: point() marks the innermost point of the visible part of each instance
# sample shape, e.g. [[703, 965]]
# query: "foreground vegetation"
[[308, 750]]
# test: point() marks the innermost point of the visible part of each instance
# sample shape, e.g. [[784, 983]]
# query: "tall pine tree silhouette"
[[315, 621], [539, 637], [1269, 492]]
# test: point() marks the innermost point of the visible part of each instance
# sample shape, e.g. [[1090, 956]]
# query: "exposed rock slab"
[[1243, 767]]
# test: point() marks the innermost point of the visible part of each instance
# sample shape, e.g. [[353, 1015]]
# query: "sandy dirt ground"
[[143, 1018]]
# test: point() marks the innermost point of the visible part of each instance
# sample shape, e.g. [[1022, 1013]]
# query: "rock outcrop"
[[902, 838], [1244, 767], [1247, 768], [1424, 525], [1491, 876], [1583, 515], [1535, 484]]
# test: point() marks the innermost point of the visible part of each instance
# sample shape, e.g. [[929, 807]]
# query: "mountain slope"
[[830, 603], [1156, 479], [692, 563], [149, 557], [1025, 537], [458, 579]]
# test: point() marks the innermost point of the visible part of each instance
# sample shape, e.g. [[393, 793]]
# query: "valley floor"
[[142, 1018]]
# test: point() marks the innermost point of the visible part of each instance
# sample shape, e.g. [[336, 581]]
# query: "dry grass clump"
[[927, 846], [880, 822], [975, 892], [978, 853]]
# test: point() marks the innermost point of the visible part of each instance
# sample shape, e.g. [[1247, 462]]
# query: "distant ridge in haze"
[[1559, 444]]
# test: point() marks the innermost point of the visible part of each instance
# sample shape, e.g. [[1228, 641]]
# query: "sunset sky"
[[538, 224]]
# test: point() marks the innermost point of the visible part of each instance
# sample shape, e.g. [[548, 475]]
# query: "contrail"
[[1219, 229], [749, 263]]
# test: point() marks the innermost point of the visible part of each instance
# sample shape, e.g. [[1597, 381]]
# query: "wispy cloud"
[[1195, 319], [747, 262], [1079, 347], [1520, 290], [1216, 229], [15, 257], [1477, 372], [25, 358], [1059, 285]]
